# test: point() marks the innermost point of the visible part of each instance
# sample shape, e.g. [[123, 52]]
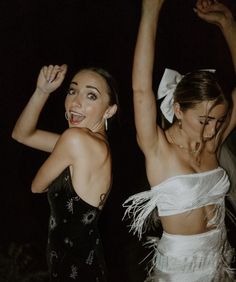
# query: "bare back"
[[91, 175]]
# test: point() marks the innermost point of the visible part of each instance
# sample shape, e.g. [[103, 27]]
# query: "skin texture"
[[83, 146], [203, 128]]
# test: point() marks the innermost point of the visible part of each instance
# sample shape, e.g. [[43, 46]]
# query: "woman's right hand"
[[50, 78]]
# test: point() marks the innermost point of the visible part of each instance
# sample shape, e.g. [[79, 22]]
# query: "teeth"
[[76, 117], [75, 114]]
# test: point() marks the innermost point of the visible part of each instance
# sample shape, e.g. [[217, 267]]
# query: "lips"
[[76, 118], [207, 138]]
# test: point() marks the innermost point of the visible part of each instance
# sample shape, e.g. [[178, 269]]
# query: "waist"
[[195, 221], [210, 241]]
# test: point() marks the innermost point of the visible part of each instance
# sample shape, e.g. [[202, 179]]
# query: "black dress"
[[75, 251]]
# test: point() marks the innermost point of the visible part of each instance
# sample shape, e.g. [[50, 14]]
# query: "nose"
[[211, 130], [77, 100]]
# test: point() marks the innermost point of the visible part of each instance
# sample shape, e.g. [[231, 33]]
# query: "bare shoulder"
[[83, 142]]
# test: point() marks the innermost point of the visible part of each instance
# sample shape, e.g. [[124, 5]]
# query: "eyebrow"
[[93, 87], [209, 117], [88, 86]]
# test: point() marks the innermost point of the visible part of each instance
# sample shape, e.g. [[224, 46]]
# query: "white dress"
[[186, 258]]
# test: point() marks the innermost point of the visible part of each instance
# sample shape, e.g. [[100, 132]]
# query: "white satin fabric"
[[202, 257], [166, 89], [178, 194]]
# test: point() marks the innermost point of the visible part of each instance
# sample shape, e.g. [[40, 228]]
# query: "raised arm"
[[25, 131], [220, 15], [144, 99]]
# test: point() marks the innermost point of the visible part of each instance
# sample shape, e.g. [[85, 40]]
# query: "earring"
[[106, 124], [66, 116], [180, 123]]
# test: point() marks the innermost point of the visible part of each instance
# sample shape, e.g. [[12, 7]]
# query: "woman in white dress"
[[188, 186]]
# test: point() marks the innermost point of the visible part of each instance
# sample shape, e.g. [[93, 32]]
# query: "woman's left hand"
[[214, 12]]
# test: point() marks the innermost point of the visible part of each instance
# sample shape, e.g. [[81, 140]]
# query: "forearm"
[[145, 48], [27, 122], [229, 31]]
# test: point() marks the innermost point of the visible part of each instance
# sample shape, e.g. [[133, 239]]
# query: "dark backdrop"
[[85, 33]]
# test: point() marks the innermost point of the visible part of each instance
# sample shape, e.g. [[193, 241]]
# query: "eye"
[[221, 120], [92, 96], [205, 122], [71, 91]]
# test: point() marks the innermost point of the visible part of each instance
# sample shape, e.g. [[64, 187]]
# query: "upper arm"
[[62, 156], [40, 139], [145, 119], [145, 109], [232, 120]]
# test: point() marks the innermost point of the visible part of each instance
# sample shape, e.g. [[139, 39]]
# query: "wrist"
[[150, 13], [151, 10], [40, 91], [228, 24]]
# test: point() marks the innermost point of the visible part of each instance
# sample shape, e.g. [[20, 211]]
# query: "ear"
[[177, 110], [110, 111]]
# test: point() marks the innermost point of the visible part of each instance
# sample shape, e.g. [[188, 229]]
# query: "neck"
[[179, 138]]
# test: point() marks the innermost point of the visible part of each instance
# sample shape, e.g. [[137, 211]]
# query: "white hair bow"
[[167, 87], [168, 84]]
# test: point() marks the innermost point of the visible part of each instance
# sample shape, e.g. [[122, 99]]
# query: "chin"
[[74, 125]]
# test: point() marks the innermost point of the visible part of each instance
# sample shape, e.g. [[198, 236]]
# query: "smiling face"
[[87, 101], [204, 121]]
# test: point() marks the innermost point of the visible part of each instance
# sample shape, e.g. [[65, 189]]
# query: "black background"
[[87, 33]]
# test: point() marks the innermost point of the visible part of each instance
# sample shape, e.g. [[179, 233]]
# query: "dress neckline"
[[187, 175]]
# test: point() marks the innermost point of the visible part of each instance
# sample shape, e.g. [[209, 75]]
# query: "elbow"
[[14, 135], [138, 89], [17, 136], [34, 189], [142, 90], [37, 189], [141, 86]]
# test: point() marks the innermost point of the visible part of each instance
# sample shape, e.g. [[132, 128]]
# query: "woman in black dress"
[[77, 174]]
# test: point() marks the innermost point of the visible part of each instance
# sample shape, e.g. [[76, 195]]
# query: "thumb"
[[63, 68]]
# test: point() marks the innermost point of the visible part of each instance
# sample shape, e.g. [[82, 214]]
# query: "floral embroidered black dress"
[[75, 251]]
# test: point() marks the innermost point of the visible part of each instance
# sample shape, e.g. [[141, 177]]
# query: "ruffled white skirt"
[[203, 257]]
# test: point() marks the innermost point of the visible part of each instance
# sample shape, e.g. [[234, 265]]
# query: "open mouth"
[[75, 118]]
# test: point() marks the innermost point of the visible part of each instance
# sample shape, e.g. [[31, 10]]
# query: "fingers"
[[53, 72], [206, 6], [60, 74], [203, 5]]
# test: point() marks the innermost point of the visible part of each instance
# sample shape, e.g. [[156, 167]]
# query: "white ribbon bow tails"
[[168, 84]]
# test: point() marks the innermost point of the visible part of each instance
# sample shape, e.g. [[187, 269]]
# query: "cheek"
[[194, 126], [95, 108], [67, 101]]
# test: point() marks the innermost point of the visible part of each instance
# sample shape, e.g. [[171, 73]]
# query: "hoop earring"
[[66, 116], [180, 123], [106, 124]]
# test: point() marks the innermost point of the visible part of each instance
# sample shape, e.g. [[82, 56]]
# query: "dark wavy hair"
[[196, 87]]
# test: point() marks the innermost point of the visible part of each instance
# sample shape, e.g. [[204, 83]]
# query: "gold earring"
[[180, 123]]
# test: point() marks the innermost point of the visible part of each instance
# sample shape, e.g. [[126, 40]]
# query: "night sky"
[[88, 33]]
